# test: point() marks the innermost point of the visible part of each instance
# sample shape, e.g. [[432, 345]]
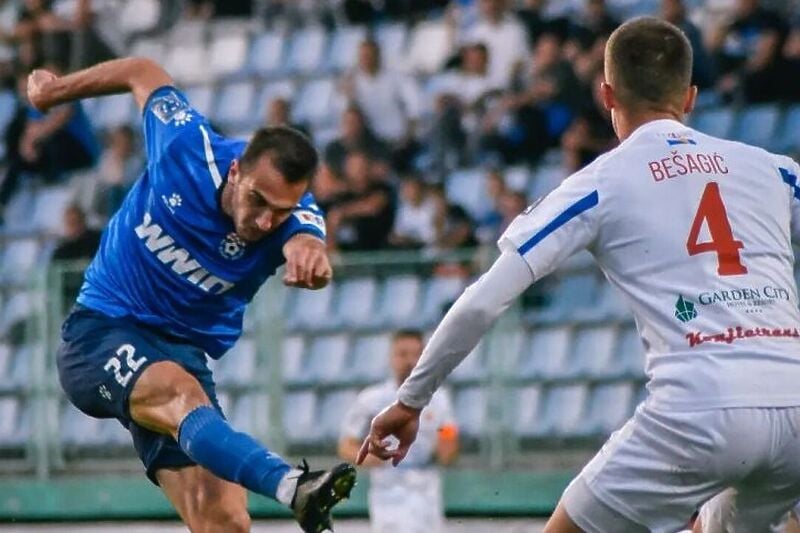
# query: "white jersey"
[[696, 232]]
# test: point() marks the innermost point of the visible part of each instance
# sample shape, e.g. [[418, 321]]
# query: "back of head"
[[648, 62], [291, 152]]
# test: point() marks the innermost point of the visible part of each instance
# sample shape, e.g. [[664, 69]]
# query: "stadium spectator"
[[355, 136], [404, 499], [487, 226], [747, 54], [46, 145], [454, 227], [674, 11], [533, 16], [279, 113], [504, 36], [361, 217], [594, 22], [389, 99], [791, 61], [79, 241], [416, 213], [120, 165], [590, 134]]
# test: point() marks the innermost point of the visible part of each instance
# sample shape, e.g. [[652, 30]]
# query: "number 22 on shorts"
[[712, 210], [115, 364]]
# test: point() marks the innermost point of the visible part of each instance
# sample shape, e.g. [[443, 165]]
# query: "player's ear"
[[689, 99], [607, 95], [234, 172]]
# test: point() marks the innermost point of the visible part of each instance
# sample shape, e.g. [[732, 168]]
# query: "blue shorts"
[[99, 360]]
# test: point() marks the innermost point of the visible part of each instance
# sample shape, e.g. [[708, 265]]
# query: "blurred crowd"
[[520, 85]]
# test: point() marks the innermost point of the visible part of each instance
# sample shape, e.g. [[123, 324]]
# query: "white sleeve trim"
[[212, 165]]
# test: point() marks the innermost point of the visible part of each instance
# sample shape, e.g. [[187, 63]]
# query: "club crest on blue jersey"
[[171, 108], [232, 247]]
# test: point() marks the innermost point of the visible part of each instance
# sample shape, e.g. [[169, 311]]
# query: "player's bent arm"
[[464, 325], [138, 75], [447, 445], [348, 451]]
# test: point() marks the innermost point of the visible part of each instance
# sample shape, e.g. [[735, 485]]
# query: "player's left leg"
[[205, 503]]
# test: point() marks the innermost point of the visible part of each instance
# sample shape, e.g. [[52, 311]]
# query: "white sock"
[[287, 487]]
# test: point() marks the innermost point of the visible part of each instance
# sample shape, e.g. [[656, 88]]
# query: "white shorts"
[[656, 471]]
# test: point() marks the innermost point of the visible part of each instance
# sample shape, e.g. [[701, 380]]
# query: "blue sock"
[[234, 456]]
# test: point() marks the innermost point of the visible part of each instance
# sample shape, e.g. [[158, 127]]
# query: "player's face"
[[406, 351], [261, 198]]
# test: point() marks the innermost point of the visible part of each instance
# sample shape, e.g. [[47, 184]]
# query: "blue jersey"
[[170, 257]]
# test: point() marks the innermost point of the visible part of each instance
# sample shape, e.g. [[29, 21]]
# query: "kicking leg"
[[206, 503]]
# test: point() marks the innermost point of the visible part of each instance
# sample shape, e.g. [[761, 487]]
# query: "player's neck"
[[226, 199], [626, 122]]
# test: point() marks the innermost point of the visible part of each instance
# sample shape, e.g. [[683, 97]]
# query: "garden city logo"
[[751, 300]]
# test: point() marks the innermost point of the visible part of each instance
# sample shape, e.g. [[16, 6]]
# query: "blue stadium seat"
[[593, 350], [608, 408], [440, 293], [545, 179], [787, 138], [114, 111], [8, 104], [235, 105], [300, 417], [270, 91], [757, 125], [266, 53], [546, 353], [473, 368], [5, 364], [293, 360], [311, 309], [201, 97], [19, 259], [112, 432], [517, 178], [398, 301], [227, 53], [9, 422], [17, 308], [608, 306], [317, 103], [332, 407], [21, 365], [467, 188], [630, 354], [343, 49], [564, 408], [306, 50], [572, 292], [392, 40], [151, 48], [248, 411], [78, 429], [187, 62], [525, 403], [327, 357], [370, 357], [138, 16], [18, 211], [356, 301], [238, 366], [429, 47], [50, 204], [716, 122], [469, 404]]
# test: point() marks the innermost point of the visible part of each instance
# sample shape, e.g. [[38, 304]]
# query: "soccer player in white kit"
[[407, 499], [696, 234]]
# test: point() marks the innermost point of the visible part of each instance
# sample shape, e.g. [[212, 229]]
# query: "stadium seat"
[[470, 406], [564, 408], [609, 305], [300, 417], [546, 178], [473, 368], [187, 31], [572, 292], [270, 91], [306, 50], [227, 53], [398, 301], [440, 292], [248, 412], [19, 259], [112, 433], [517, 178], [716, 122], [757, 124], [151, 48], [429, 47], [370, 357], [317, 103], [547, 353], [467, 188], [327, 357], [18, 211], [17, 308], [78, 429], [332, 407], [21, 364], [238, 366], [593, 351], [525, 403], [787, 138], [139, 16], [630, 360], [50, 204], [343, 50], [266, 53], [292, 359], [5, 364], [311, 309], [235, 105], [9, 421], [201, 97], [187, 62], [608, 408], [392, 40], [356, 301], [8, 105]]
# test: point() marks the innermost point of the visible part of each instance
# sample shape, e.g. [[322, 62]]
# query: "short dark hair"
[[408, 333], [649, 62], [291, 152]]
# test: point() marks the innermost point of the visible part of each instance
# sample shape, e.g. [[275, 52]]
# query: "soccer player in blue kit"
[[209, 220]]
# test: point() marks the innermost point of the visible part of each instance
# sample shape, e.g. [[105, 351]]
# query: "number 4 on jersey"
[[712, 210]]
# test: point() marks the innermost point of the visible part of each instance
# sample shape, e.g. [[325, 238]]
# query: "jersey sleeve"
[[552, 229], [307, 217], [790, 173], [356, 421], [166, 118]]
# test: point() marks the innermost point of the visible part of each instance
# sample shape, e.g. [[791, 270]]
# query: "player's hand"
[[397, 420], [37, 84], [307, 263]]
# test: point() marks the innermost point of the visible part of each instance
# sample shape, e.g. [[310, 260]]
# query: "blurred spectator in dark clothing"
[[416, 213], [532, 16], [46, 145], [355, 137], [361, 217], [79, 241], [747, 54], [488, 224], [454, 227], [674, 11], [120, 166], [512, 203], [327, 187], [411, 9], [233, 8], [791, 61], [279, 113], [591, 133], [593, 23]]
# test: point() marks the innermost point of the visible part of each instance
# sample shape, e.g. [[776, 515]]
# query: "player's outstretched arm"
[[459, 332], [307, 263], [138, 75]]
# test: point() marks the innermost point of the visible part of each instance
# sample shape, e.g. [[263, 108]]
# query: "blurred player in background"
[[206, 224], [696, 233], [407, 499]]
